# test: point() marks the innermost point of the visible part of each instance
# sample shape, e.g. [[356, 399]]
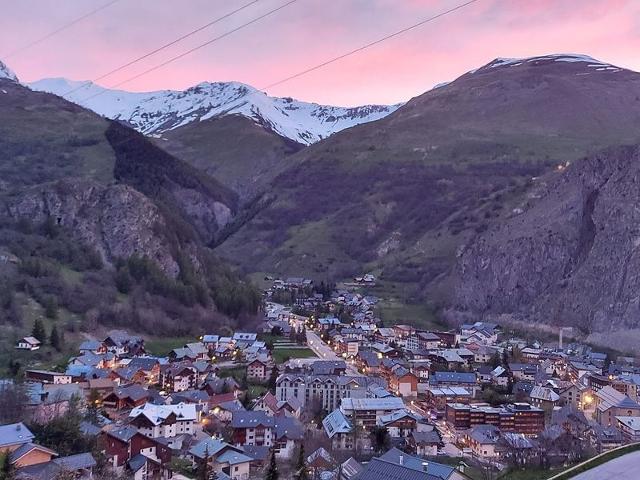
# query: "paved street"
[[618, 468], [324, 351]]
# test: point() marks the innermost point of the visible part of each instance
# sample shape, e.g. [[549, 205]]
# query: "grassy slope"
[[237, 151], [45, 138], [402, 194]]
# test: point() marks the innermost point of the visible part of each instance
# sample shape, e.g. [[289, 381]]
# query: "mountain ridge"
[[156, 112]]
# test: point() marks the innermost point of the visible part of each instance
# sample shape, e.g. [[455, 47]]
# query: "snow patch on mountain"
[[556, 57], [5, 72], [155, 112]]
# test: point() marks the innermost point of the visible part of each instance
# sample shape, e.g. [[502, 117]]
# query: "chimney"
[[425, 467], [401, 460]]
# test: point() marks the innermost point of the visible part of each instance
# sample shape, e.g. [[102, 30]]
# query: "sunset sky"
[[307, 33]]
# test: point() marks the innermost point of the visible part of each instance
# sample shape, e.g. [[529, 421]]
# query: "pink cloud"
[[311, 31]]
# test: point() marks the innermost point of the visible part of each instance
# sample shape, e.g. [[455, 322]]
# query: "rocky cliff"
[[569, 255], [116, 220]]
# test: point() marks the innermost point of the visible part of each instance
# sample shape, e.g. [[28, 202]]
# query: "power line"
[[163, 47], [334, 59], [60, 29], [194, 49], [351, 52], [368, 45]]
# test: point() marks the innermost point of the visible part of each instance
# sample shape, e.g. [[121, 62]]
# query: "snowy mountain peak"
[[5, 72], [589, 62], [155, 112]]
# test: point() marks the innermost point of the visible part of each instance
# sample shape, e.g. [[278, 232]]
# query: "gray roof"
[[431, 436], [434, 470], [288, 427], [14, 433], [350, 468], [378, 469], [124, 433], [74, 462], [336, 422], [251, 419], [453, 377]]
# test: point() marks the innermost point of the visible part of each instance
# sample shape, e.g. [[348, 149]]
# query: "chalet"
[[121, 342], [385, 335], [142, 467], [164, 420], [610, 404], [93, 346], [483, 332], [253, 428], [216, 386], [421, 370], [28, 343], [328, 323], [368, 361], [127, 397], [78, 466], [30, 454], [400, 423], [339, 430], [177, 377], [403, 382], [483, 441], [425, 443], [500, 376], [424, 340], [13, 436], [398, 464], [366, 411], [210, 341], [259, 369], [126, 375], [630, 428], [121, 444], [149, 366], [523, 371], [288, 432], [544, 398], [228, 460]]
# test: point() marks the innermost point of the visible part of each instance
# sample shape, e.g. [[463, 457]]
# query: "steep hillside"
[[234, 149], [156, 112], [568, 255], [43, 138], [101, 226], [403, 193], [188, 195]]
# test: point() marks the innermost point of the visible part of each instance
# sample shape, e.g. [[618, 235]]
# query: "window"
[[235, 469]]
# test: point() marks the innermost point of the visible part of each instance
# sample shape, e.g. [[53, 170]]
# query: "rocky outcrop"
[[570, 256], [116, 220]]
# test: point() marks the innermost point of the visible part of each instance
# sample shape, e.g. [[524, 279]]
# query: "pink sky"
[[310, 32]]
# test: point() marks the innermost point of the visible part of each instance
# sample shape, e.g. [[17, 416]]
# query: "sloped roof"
[[13, 433], [335, 423], [25, 448], [157, 414], [387, 403], [544, 393], [251, 419]]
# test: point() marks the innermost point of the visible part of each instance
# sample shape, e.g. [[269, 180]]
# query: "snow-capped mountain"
[[5, 72], [156, 112], [591, 63]]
